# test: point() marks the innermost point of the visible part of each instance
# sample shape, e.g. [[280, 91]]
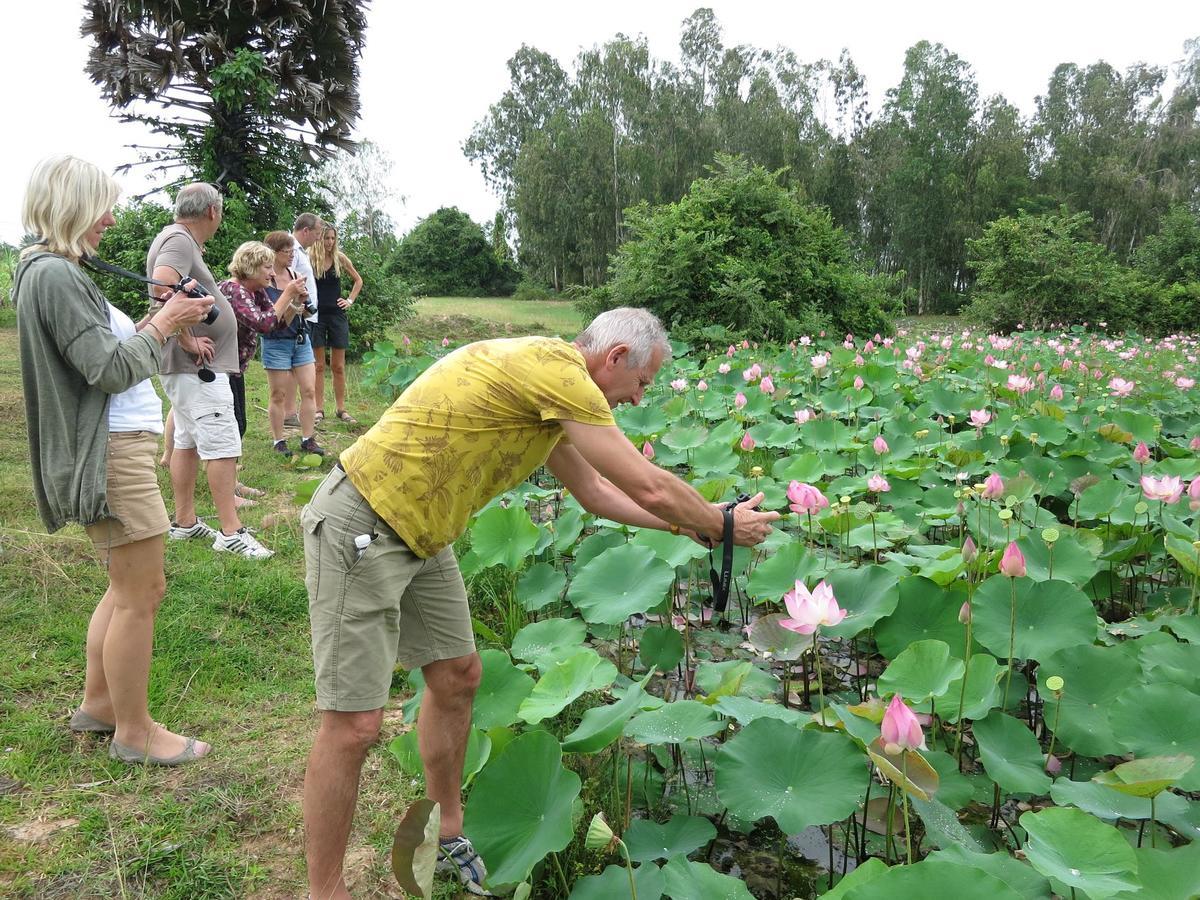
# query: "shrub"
[[448, 255], [1042, 270], [741, 250], [384, 302], [528, 289]]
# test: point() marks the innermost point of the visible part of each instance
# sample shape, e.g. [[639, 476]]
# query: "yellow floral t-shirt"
[[474, 424]]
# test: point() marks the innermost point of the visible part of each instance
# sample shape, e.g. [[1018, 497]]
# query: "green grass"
[[553, 317], [232, 665]]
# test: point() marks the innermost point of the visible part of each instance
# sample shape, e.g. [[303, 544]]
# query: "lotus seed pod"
[[1054, 683], [1016, 417], [953, 418], [1005, 515], [599, 835], [1033, 438], [1140, 507], [1049, 535], [1004, 439], [845, 501], [923, 433], [756, 471]]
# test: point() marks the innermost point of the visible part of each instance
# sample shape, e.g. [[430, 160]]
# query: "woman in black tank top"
[[332, 328]]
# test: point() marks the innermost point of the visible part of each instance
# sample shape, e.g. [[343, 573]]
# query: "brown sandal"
[[346, 417]]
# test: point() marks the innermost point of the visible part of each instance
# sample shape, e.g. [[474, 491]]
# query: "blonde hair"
[[64, 199], [316, 254], [249, 258]]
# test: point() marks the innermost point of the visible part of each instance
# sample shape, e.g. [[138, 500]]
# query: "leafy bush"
[[1042, 270], [528, 289], [384, 302], [448, 255], [741, 250]]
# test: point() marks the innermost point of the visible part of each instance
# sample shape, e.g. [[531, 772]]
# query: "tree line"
[[569, 151]]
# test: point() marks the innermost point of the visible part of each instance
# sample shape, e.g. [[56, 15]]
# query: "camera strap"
[[98, 265], [722, 580]]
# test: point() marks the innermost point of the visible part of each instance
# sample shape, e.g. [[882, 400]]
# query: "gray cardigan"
[[71, 363]]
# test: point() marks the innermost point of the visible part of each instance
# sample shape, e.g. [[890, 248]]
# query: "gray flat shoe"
[[82, 723], [136, 757]]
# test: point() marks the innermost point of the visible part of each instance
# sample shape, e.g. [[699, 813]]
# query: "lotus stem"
[[962, 694], [1012, 640], [820, 677], [904, 802], [1153, 840], [628, 869], [888, 843]]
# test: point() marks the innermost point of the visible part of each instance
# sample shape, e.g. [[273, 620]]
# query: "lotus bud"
[[1012, 563], [900, 729], [1056, 392], [969, 551], [1141, 453], [1195, 443], [747, 442], [964, 612], [599, 835], [880, 445], [1053, 765]]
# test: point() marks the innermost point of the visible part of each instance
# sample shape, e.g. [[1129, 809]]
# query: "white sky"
[[430, 70]]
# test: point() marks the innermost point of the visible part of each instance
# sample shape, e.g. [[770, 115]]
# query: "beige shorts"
[[374, 609], [204, 416], [134, 499]]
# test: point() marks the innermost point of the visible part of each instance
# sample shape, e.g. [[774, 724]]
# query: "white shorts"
[[204, 417]]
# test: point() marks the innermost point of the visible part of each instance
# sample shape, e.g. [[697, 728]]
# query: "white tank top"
[[137, 409]]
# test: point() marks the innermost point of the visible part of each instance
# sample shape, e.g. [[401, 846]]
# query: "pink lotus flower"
[[406, 340], [809, 611], [1012, 563], [804, 498], [767, 386], [880, 445], [1168, 489], [1185, 384], [445, 342], [1194, 444], [1053, 765], [702, 385], [723, 368], [732, 350], [901, 729], [803, 415], [964, 612], [1020, 384], [1193, 493], [752, 373], [1056, 392], [740, 400], [858, 382], [878, 484], [819, 361], [980, 417], [747, 442], [648, 450], [679, 384], [993, 487], [1119, 387], [1141, 453]]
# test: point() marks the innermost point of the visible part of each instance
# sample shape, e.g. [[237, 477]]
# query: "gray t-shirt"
[[175, 247]]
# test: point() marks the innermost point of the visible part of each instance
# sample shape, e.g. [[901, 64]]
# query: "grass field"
[[231, 665], [542, 316]]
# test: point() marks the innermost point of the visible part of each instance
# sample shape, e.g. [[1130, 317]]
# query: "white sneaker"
[[243, 543], [198, 530]]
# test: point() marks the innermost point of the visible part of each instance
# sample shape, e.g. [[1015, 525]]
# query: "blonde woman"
[[253, 271], [332, 329], [94, 420]]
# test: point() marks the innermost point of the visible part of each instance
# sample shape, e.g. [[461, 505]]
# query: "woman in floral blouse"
[[252, 268]]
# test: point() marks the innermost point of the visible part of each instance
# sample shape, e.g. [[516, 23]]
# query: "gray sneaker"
[[197, 530], [292, 421], [457, 857]]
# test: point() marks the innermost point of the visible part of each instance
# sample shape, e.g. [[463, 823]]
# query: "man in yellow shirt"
[[382, 580]]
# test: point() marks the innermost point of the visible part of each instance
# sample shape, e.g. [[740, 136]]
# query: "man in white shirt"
[[305, 231]]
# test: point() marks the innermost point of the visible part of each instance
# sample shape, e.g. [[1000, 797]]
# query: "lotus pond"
[[984, 680]]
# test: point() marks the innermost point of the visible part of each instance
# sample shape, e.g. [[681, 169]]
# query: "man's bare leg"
[[442, 730], [331, 793]]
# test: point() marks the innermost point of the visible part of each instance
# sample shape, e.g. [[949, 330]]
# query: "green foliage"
[[447, 254], [385, 300], [743, 251], [1038, 271]]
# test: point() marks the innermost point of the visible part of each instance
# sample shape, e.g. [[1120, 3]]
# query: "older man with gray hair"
[[195, 377], [383, 583]]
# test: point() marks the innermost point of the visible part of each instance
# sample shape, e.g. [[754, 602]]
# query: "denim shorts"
[[285, 353]]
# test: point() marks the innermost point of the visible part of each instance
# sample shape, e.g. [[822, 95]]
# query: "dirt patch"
[[39, 830]]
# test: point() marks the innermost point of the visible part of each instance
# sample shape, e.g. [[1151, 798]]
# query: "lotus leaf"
[[683, 720], [520, 807], [798, 777], [564, 681], [613, 884], [647, 840], [601, 725], [552, 639], [539, 586], [502, 688], [752, 682], [982, 692], [688, 880], [1019, 876], [924, 611], [923, 670], [1079, 851], [674, 550], [867, 594], [1093, 678], [1051, 615], [963, 882], [1159, 720], [660, 647], [1105, 803], [1166, 874], [619, 582], [778, 575], [1011, 754], [503, 536], [1147, 777]]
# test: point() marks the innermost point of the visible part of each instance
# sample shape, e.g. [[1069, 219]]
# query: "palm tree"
[[252, 92]]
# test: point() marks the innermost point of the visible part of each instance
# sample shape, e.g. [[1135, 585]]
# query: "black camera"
[[197, 292]]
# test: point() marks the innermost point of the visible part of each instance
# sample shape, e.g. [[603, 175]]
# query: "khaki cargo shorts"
[[374, 609]]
